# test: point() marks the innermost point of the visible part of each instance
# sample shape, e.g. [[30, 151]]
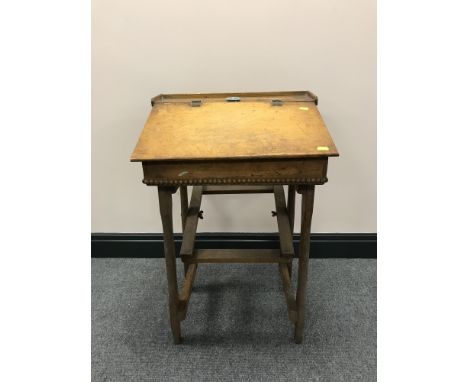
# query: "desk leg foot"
[[165, 208], [304, 246], [298, 333], [176, 336]]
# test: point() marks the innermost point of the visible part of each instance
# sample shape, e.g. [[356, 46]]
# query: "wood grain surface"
[[251, 128]]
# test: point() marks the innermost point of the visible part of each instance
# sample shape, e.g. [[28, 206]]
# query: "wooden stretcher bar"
[[236, 256]]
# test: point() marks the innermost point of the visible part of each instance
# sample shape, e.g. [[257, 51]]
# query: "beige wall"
[[143, 48]]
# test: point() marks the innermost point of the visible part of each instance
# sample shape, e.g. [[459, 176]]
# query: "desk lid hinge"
[[276, 102]]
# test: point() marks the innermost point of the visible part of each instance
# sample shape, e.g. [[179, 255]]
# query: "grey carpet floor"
[[237, 328]]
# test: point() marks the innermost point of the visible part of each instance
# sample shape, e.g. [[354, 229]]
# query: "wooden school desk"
[[228, 144]]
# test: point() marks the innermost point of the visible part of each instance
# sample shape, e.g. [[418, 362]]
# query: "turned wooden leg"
[[291, 207], [165, 207], [304, 246], [183, 213]]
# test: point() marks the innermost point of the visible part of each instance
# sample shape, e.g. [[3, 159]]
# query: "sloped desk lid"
[[234, 126]]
